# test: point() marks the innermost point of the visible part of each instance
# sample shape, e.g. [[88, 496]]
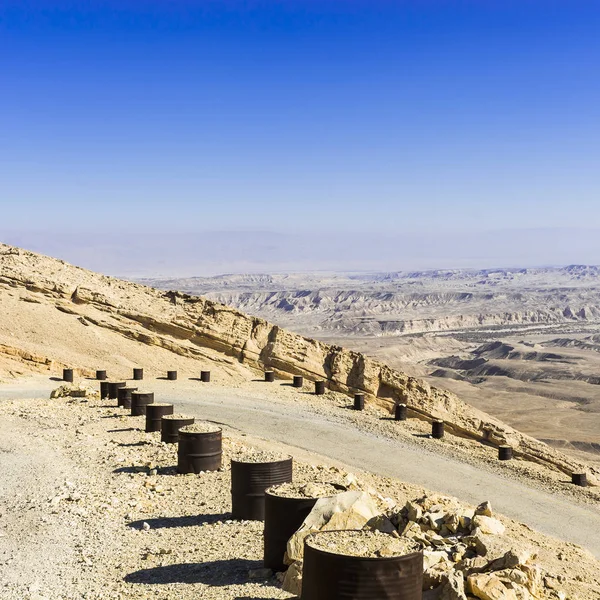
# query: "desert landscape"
[[80, 469], [520, 344]]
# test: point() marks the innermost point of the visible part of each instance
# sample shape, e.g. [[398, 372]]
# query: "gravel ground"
[[93, 508]]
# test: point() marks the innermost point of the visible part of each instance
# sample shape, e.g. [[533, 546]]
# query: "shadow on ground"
[[215, 573], [187, 521]]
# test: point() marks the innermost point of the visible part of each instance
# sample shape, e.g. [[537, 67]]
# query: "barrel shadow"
[[57, 379], [215, 573], [186, 521]]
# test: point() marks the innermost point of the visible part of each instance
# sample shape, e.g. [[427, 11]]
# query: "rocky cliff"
[[188, 325]]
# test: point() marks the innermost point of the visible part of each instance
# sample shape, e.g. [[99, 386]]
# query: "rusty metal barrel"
[[249, 480], [199, 449], [359, 402], [113, 386], [400, 412], [205, 376], [170, 426], [283, 517], [68, 375], [139, 402], [505, 452], [100, 375], [320, 387], [330, 576], [298, 381], [154, 414], [104, 389], [270, 376], [124, 396], [138, 374], [579, 479], [172, 375], [437, 429]]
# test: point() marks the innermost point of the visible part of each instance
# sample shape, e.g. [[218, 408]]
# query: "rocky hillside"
[[199, 328]]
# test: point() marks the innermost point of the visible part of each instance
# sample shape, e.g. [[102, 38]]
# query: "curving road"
[[296, 425]]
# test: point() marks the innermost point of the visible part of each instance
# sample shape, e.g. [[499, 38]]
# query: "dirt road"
[[280, 416]]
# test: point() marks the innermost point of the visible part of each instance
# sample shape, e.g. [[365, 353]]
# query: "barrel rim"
[[379, 559], [288, 499], [267, 462]]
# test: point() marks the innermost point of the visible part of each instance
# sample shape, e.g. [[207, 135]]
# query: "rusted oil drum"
[[579, 479], [124, 396], [154, 413], [100, 375], [283, 517], [270, 376], [172, 375], [298, 381], [505, 452], [329, 576], [359, 402], [437, 429], [104, 389], [138, 374], [205, 376], [249, 482], [139, 401], [400, 412], [169, 428], [68, 375], [199, 451], [113, 386], [319, 387]]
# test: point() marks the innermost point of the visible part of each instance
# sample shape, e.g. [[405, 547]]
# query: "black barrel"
[[154, 414], [169, 428], [100, 375], [124, 396], [249, 482], [505, 452], [359, 402], [104, 389], [319, 387], [68, 375], [270, 376], [298, 381], [171, 375], [205, 376], [139, 401], [579, 479], [199, 451], [437, 429], [328, 576], [283, 517], [400, 413], [138, 374], [113, 386]]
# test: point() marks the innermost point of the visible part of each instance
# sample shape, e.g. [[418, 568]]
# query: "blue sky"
[[299, 116]]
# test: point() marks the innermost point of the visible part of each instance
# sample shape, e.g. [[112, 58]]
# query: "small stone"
[[146, 526]]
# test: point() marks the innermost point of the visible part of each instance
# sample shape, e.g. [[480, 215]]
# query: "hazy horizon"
[[203, 254]]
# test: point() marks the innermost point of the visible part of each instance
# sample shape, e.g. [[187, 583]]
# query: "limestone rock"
[[486, 586], [488, 525], [348, 510], [292, 582]]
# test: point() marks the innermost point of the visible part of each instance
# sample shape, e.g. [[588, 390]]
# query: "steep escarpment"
[[191, 326]]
